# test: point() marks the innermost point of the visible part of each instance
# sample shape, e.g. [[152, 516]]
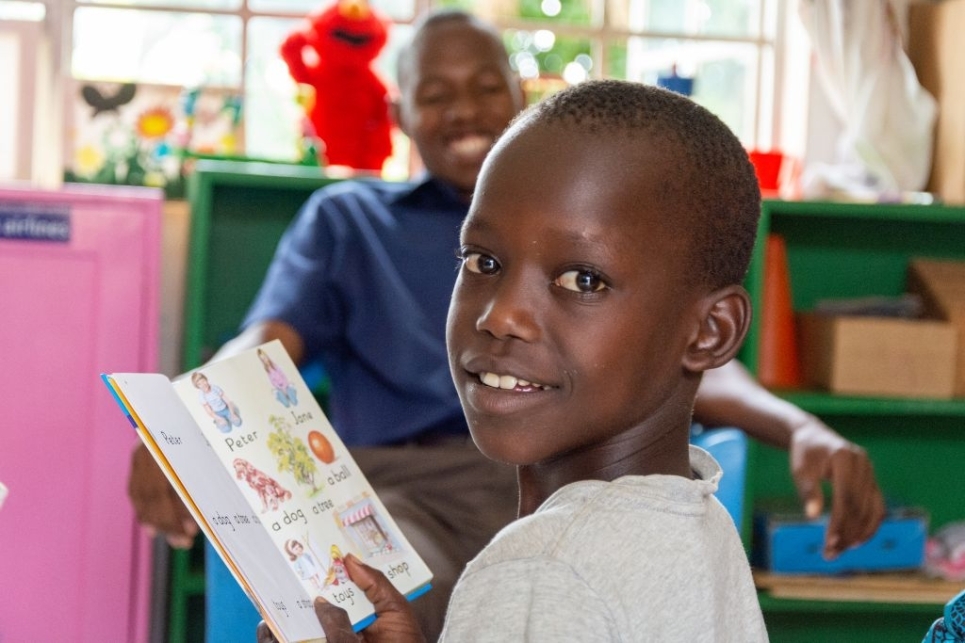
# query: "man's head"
[[457, 94], [602, 258]]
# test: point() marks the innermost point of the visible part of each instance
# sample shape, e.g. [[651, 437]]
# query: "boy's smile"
[[571, 313]]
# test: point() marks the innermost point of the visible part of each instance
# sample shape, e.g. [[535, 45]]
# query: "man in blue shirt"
[[361, 281]]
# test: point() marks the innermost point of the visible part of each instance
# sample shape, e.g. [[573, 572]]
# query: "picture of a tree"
[[292, 454]]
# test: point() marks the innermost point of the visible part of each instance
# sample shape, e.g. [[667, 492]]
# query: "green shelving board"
[[917, 446]]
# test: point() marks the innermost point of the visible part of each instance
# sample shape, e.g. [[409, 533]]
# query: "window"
[[229, 48]]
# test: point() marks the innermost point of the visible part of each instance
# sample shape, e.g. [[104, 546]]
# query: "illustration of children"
[[337, 574], [304, 563], [216, 403], [269, 491], [284, 390]]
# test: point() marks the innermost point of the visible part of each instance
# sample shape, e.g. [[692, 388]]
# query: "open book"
[[270, 483]]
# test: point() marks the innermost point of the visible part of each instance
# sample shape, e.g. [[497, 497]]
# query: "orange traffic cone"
[[779, 365]]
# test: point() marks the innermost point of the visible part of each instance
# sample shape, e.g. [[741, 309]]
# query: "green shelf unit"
[[917, 445], [804, 621], [239, 210]]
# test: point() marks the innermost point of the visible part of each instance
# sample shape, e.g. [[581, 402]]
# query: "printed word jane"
[[301, 417], [239, 441]]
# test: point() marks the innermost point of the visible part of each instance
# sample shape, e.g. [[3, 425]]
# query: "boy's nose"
[[510, 314]]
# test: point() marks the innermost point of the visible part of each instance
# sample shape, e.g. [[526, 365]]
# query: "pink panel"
[[71, 308]]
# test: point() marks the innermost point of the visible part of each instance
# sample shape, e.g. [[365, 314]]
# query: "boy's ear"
[[395, 113], [725, 315]]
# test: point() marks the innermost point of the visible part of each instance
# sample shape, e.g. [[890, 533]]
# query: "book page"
[[299, 479], [219, 505]]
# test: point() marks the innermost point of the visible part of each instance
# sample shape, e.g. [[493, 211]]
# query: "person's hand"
[[857, 507], [156, 504], [394, 623]]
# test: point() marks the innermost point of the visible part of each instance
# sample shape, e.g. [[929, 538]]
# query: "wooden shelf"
[[892, 588]]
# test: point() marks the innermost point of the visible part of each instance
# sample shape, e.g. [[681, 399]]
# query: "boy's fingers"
[[395, 622], [264, 635], [378, 589], [155, 502], [335, 622]]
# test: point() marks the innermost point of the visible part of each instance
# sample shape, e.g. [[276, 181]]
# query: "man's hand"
[[156, 504], [857, 508], [394, 623]]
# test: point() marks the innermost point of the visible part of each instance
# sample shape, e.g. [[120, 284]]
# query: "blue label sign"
[[35, 222]]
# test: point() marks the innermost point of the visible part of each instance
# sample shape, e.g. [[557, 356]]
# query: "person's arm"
[[730, 396], [156, 504]]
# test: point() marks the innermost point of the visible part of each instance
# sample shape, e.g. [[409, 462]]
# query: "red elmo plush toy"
[[334, 54]]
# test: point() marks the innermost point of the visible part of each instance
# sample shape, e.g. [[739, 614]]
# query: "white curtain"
[[885, 147]]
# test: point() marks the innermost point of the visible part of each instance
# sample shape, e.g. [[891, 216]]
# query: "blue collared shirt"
[[364, 274]]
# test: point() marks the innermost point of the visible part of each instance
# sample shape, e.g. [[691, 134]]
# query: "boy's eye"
[[584, 281], [479, 263]]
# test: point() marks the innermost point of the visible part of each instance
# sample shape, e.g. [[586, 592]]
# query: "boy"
[[363, 280], [601, 264]]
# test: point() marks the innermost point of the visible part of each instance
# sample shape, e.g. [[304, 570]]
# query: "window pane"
[[394, 9], [214, 5], [570, 12], [272, 116], [188, 49], [27, 11], [616, 60], [733, 18], [724, 73], [541, 52]]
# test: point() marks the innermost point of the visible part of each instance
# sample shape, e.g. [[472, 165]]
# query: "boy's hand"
[[857, 507], [156, 504], [395, 622]]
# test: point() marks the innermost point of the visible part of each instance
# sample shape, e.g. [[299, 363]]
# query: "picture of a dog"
[[269, 491]]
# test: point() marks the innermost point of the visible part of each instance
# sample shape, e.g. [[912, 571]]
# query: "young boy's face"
[[458, 95], [571, 313]]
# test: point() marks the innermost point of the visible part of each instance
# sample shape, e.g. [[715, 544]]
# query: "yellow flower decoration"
[[155, 123], [89, 159]]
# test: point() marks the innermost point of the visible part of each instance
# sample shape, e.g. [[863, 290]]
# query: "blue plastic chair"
[[729, 448]]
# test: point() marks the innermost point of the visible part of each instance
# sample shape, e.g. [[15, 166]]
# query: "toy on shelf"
[[333, 54]]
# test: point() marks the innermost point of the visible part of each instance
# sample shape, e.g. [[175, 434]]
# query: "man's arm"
[[730, 396], [156, 503]]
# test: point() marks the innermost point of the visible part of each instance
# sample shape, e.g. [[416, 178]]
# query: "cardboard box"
[[879, 356], [941, 286], [792, 544]]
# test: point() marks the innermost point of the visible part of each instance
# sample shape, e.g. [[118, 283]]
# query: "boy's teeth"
[[507, 382], [490, 379]]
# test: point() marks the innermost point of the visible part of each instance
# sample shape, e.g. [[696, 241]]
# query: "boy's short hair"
[[197, 376], [714, 196]]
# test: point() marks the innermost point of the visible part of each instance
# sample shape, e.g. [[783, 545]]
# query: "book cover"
[[270, 483]]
